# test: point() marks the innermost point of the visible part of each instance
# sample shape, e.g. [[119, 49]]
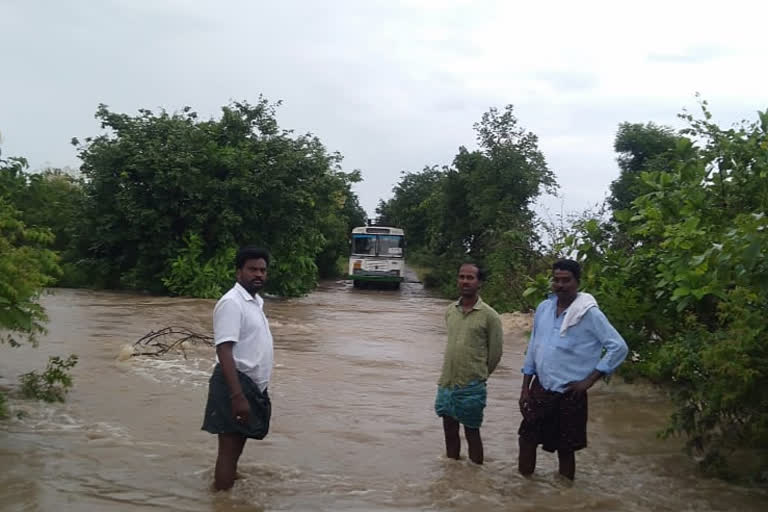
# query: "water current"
[[353, 423]]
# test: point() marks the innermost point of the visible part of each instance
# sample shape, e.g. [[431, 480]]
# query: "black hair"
[[481, 273], [250, 253], [570, 265]]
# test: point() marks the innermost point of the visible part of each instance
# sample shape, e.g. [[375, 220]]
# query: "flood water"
[[353, 423]]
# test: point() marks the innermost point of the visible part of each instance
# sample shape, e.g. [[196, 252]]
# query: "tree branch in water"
[[158, 343]]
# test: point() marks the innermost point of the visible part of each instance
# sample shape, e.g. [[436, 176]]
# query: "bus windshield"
[[364, 245], [391, 245], [388, 246]]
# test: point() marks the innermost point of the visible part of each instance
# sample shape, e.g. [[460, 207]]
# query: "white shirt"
[[239, 317]]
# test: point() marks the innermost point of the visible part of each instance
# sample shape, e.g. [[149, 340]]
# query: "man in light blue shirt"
[[572, 345]]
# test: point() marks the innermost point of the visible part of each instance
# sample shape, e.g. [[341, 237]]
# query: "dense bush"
[[168, 196]]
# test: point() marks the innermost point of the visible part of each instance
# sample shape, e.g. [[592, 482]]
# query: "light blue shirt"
[[559, 360]]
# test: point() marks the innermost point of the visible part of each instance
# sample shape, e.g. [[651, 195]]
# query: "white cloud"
[[392, 85]]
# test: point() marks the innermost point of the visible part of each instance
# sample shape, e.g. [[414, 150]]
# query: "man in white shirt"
[[238, 405]]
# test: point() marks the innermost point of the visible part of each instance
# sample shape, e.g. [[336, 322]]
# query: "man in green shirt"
[[475, 340]]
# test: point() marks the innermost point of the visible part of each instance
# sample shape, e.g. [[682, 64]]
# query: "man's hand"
[[240, 408], [581, 386], [525, 394], [525, 405], [525, 391]]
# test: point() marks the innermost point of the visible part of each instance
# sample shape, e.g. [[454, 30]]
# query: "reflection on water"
[[353, 425]]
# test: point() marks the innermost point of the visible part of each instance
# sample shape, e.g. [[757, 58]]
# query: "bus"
[[377, 256]]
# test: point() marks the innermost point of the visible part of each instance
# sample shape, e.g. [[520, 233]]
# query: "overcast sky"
[[392, 85]]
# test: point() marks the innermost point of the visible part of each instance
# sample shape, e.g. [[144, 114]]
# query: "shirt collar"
[[553, 298], [244, 293], [476, 306]]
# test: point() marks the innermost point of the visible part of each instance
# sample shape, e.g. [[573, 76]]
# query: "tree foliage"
[[27, 264], [478, 208], [53, 384], [410, 205], [167, 193], [683, 274], [640, 148]]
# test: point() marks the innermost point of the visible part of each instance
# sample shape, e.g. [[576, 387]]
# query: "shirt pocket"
[[565, 344], [475, 332]]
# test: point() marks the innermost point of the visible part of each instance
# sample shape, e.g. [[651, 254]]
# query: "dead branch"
[[158, 343]]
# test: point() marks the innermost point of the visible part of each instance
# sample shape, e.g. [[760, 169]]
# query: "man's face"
[[564, 284], [253, 275], [469, 283]]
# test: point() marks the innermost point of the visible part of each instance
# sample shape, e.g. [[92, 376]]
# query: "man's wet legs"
[[567, 463], [475, 443], [526, 458], [230, 448], [452, 439]]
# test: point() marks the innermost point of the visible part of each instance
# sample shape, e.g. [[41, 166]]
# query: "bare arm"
[[495, 343], [527, 379], [582, 385], [240, 407], [529, 363], [525, 394]]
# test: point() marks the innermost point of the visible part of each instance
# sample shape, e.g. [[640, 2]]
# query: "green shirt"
[[475, 341]]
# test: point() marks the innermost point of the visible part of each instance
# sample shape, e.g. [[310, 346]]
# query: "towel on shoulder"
[[576, 311]]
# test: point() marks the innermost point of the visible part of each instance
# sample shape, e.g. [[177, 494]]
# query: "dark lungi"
[[218, 410], [557, 421]]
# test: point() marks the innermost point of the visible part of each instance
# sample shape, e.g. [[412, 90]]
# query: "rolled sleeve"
[[614, 345], [226, 322]]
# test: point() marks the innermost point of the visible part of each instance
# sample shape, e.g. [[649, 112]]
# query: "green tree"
[[479, 208], [343, 212], [27, 265], [491, 190], [52, 198], [155, 181], [640, 148], [409, 207]]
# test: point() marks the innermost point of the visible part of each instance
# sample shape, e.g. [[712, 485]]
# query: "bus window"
[[364, 244], [390, 246]]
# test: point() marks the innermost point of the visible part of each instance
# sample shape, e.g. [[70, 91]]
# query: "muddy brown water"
[[353, 422]]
